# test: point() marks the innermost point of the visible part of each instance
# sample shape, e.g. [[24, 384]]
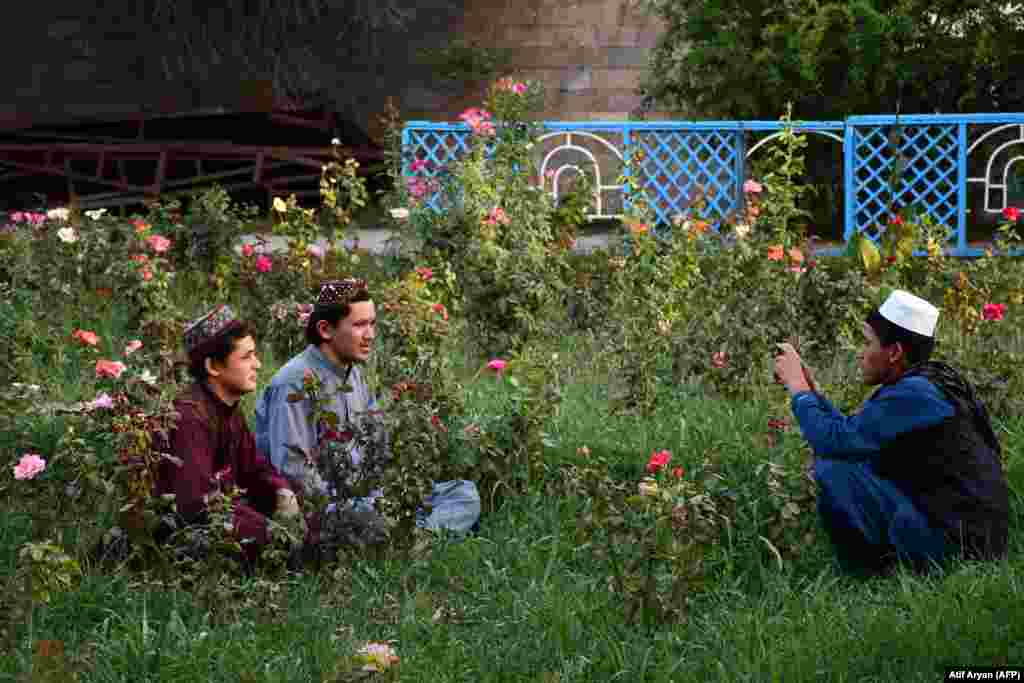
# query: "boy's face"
[[877, 361], [351, 340], [237, 374]]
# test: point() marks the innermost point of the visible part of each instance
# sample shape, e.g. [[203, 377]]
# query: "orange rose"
[[776, 252]]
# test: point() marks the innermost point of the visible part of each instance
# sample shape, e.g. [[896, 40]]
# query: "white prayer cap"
[[910, 312]]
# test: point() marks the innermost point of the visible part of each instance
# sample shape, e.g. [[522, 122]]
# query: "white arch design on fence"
[[599, 187], [762, 141], [987, 179]]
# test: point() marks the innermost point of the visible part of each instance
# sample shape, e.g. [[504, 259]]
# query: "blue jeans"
[[872, 522], [454, 505]]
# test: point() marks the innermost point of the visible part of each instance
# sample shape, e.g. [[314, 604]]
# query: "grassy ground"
[[524, 601]]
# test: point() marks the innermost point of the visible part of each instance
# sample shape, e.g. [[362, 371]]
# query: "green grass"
[[522, 601]]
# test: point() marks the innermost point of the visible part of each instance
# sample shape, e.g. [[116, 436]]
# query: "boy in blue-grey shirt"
[[340, 332]]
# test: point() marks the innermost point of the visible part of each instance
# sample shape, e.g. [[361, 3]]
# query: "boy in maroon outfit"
[[212, 439]]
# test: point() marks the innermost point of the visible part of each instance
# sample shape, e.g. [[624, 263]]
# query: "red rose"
[[993, 311], [658, 460]]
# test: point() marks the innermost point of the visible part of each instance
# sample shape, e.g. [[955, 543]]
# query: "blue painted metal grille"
[[929, 181], [675, 167], [438, 148], [932, 155]]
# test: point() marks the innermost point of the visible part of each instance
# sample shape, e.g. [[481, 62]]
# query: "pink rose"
[[497, 365], [418, 165], [418, 187], [497, 216], [86, 337], [248, 250], [29, 466], [28, 217], [264, 264], [658, 460], [720, 359], [316, 251], [103, 400], [109, 368], [478, 120], [752, 187], [147, 275], [132, 346], [993, 311], [425, 273], [158, 243]]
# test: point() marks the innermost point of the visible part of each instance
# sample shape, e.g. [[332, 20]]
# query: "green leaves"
[[865, 252]]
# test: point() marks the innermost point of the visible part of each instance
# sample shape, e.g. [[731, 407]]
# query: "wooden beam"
[[69, 174], [258, 171], [50, 170], [161, 172]]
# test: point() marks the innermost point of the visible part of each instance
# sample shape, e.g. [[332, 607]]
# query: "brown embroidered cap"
[[334, 292], [201, 334]]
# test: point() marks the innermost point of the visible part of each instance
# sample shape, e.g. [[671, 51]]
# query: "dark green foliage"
[[748, 58]]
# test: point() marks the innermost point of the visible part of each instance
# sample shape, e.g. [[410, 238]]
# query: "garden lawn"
[[525, 600]]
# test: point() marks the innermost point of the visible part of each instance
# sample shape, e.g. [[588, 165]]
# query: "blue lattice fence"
[[675, 161]]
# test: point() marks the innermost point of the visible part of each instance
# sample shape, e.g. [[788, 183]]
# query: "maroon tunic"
[[210, 437]]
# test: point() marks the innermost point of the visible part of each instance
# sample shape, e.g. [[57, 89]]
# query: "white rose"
[[95, 214], [400, 214], [279, 205], [742, 230], [147, 377], [67, 235], [335, 141], [58, 214], [648, 488]]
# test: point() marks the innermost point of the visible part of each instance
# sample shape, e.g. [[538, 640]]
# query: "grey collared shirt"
[[280, 423]]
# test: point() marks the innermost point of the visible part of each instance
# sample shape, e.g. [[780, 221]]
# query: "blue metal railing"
[[671, 160]]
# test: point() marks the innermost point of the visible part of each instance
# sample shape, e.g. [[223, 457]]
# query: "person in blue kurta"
[[340, 332], [916, 474]]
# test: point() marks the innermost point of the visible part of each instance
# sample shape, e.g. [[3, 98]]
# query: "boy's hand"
[[789, 369]]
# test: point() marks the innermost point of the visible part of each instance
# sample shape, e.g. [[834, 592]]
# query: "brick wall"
[[590, 54]]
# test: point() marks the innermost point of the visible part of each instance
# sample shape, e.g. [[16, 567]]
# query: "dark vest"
[[953, 470]]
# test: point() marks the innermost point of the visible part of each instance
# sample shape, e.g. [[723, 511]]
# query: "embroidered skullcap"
[[203, 333], [334, 292]]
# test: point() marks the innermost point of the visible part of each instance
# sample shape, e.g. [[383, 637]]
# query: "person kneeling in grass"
[[916, 474], [340, 333], [211, 440]]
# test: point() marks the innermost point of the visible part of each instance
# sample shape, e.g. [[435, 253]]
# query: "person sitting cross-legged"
[[915, 475], [211, 440], [340, 332]]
